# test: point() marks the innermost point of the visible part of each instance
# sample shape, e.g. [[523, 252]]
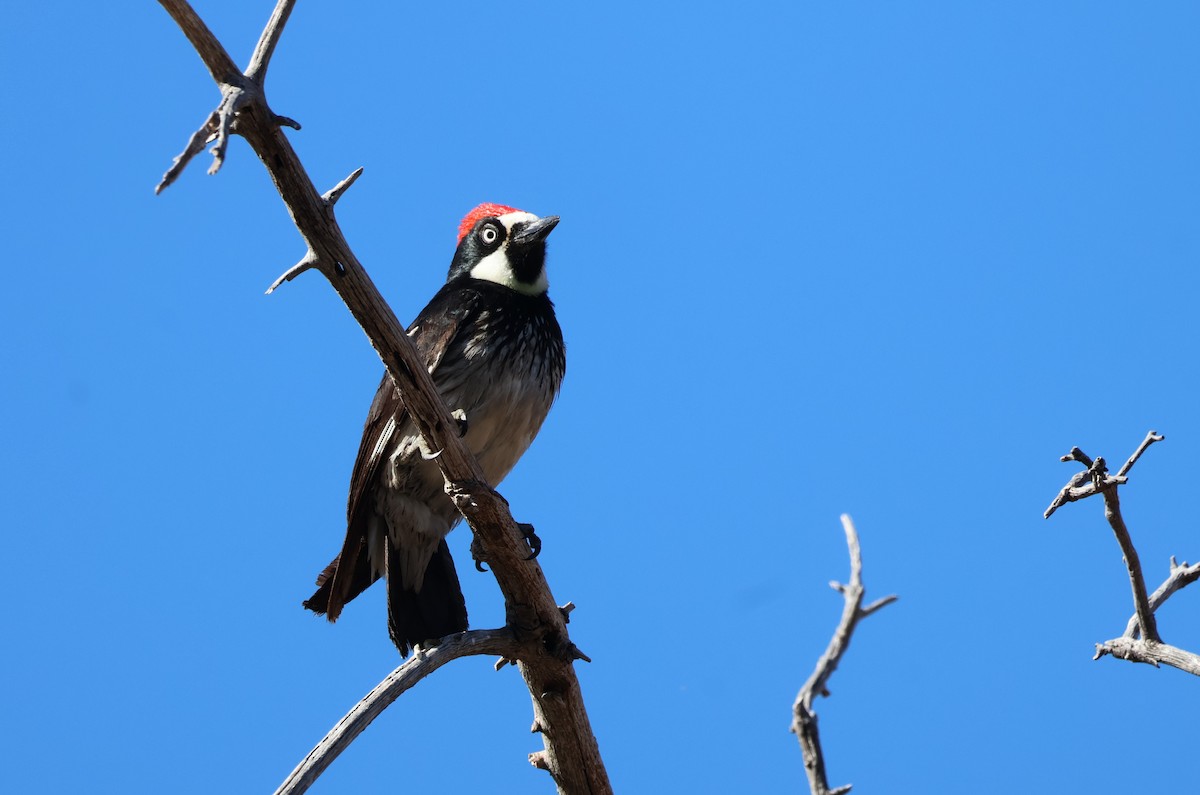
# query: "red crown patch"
[[485, 210]]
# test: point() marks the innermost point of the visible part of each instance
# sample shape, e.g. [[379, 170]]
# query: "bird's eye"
[[488, 235]]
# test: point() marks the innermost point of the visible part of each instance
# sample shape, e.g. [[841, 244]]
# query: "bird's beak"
[[535, 231]]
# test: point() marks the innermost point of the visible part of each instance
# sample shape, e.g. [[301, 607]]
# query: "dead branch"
[[1141, 641], [546, 653], [423, 662], [1180, 576], [804, 719]]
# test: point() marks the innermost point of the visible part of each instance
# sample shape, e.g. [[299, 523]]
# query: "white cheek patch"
[[495, 267]]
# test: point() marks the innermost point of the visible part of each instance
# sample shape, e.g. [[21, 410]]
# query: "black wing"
[[433, 333]]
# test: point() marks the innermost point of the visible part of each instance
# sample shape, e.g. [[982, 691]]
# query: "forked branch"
[[545, 652], [1141, 641], [804, 718]]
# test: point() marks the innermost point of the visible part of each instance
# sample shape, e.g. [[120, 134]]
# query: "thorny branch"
[[544, 650], [1141, 641], [804, 719]]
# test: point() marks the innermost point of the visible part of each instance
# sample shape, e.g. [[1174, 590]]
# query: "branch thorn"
[[308, 261], [331, 196]]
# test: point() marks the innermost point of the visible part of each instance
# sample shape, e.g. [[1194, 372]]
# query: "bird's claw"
[[477, 554], [531, 538], [460, 417], [527, 532]]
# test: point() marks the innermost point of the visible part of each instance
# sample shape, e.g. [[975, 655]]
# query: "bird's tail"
[[335, 588], [435, 611]]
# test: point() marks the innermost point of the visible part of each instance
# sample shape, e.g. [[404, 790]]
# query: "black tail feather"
[[439, 609]]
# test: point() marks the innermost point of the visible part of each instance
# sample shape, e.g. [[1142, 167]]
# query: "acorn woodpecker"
[[495, 351]]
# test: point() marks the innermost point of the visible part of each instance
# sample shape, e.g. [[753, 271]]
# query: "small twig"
[[331, 196], [420, 665], [1150, 439], [804, 719], [878, 603], [306, 262], [195, 146], [1077, 455], [234, 97]]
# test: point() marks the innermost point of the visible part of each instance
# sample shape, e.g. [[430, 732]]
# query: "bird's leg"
[[531, 538]]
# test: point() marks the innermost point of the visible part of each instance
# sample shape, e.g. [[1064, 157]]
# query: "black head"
[[506, 246]]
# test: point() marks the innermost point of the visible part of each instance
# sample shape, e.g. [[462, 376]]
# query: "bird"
[[495, 352]]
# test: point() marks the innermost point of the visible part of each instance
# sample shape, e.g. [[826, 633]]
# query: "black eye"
[[488, 235]]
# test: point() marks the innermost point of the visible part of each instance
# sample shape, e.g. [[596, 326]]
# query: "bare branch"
[[1130, 647], [1152, 652], [1141, 602], [1180, 576], [1141, 641], [1077, 488], [1096, 480], [330, 198], [237, 89], [546, 653], [1093, 480], [222, 68], [804, 719], [420, 665], [261, 59], [236, 92]]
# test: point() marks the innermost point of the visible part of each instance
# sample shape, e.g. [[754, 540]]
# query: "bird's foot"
[[527, 532], [531, 538]]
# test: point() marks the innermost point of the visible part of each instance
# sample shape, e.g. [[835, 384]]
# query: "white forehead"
[[512, 219]]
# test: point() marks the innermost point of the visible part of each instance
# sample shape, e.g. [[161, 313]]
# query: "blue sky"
[[878, 258]]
